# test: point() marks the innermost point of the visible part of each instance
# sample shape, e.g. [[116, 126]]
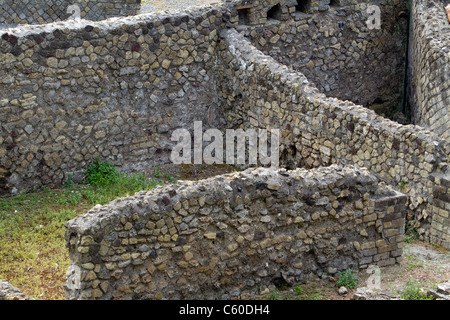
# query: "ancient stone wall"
[[226, 235], [318, 131], [335, 49], [72, 91], [45, 11], [440, 208], [430, 66]]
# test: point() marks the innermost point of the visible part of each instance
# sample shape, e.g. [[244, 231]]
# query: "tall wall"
[[231, 233], [430, 75], [45, 11], [71, 92], [334, 48], [116, 89], [319, 131], [430, 97], [219, 237]]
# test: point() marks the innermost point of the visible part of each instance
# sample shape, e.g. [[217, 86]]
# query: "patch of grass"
[[414, 262], [347, 279], [33, 256], [275, 295], [307, 294], [298, 293], [69, 181], [411, 234], [101, 173], [412, 291]]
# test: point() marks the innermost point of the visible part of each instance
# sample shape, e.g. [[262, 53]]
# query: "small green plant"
[[414, 262], [275, 295], [101, 173], [157, 172], [412, 291], [70, 197], [69, 181], [74, 198], [402, 185], [347, 279], [411, 234], [299, 290], [170, 178]]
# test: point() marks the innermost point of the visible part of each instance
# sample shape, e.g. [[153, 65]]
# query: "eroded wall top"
[[219, 237], [45, 11]]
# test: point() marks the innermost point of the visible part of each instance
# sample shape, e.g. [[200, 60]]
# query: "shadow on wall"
[[337, 49]]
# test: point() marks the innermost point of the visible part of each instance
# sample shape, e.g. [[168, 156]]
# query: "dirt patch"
[[423, 264]]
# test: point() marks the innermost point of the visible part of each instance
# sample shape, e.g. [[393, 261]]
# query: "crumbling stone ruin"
[[117, 88], [220, 236]]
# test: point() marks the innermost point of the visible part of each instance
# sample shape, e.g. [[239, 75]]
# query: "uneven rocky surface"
[[9, 292]]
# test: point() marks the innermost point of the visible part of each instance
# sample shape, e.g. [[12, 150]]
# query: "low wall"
[[45, 11], [219, 237], [72, 91], [319, 131], [430, 75]]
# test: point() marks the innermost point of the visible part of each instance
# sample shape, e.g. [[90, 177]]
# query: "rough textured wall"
[[440, 207], [317, 131], [218, 237], [115, 89], [430, 66], [334, 48], [45, 11]]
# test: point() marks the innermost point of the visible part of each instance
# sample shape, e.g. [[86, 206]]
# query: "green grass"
[[413, 262], [347, 279], [33, 256], [298, 293], [411, 234], [32, 248], [412, 291]]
